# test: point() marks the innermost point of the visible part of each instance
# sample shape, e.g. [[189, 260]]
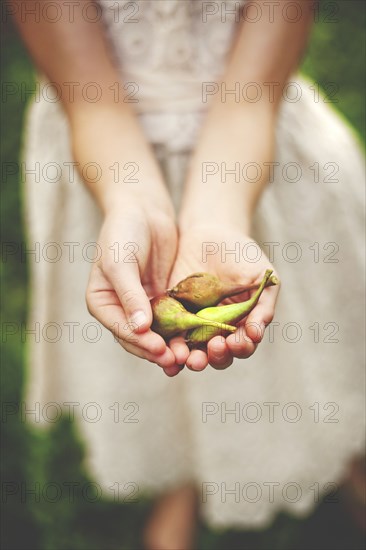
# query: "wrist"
[[193, 223], [227, 177], [126, 202], [122, 168], [230, 205]]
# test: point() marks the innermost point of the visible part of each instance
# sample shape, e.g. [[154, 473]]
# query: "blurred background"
[[336, 54]]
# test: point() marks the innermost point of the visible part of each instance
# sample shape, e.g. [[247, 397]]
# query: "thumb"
[[133, 298]]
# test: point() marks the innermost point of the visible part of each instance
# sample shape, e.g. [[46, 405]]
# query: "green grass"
[[335, 55], [336, 59]]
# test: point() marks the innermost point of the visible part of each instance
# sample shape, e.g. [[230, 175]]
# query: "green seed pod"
[[170, 318], [201, 290], [231, 313]]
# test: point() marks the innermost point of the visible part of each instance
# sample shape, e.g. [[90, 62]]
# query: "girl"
[[182, 142]]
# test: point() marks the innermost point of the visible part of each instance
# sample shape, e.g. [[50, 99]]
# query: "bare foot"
[[354, 492], [172, 523]]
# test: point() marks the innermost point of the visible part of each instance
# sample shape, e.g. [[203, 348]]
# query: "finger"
[[262, 314], [240, 345], [180, 349], [166, 360], [173, 371], [103, 303], [197, 360], [162, 262], [219, 355], [104, 306], [132, 296]]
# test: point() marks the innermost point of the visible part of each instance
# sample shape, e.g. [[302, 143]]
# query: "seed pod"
[[231, 313], [201, 290], [170, 317]]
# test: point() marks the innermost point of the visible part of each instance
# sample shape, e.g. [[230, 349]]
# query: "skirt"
[[272, 433]]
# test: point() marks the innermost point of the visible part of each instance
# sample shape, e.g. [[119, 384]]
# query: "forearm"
[[111, 137], [230, 166], [237, 134], [74, 54]]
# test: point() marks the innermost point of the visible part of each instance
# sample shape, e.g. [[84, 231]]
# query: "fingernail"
[[138, 318]]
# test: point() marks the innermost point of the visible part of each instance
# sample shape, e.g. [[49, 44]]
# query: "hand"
[[209, 248], [138, 245]]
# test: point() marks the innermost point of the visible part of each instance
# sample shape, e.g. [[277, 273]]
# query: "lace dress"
[[271, 433]]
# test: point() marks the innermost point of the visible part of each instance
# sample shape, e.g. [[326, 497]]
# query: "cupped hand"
[[234, 257], [138, 246]]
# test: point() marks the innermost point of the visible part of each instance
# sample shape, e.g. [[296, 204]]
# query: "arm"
[[78, 52], [238, 132], [107, 132], [264, 52]]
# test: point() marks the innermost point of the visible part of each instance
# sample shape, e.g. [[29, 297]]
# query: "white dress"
[[297, 404]]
